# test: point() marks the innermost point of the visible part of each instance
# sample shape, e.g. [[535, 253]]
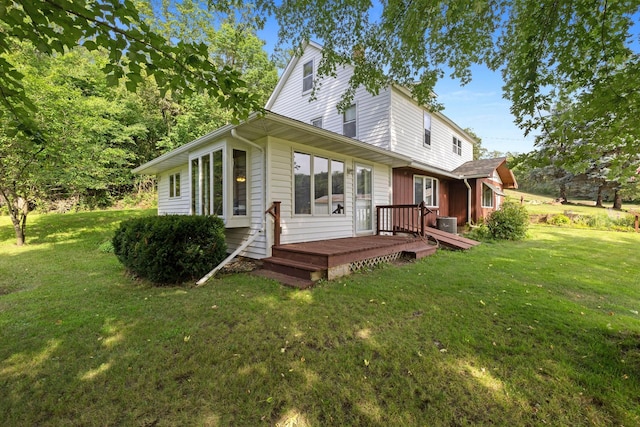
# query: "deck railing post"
[[274, 211], [423, 214]]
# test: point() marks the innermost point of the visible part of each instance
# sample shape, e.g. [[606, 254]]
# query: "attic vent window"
[[457, 146], [307, 76]]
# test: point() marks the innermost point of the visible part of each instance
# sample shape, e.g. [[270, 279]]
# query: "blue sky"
[[479, 105]]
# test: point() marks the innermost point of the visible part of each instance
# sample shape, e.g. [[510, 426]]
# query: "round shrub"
[[510, 222], [170, 249], [559, 219]]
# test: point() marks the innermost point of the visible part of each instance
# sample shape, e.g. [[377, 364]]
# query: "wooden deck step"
[[295, 268], [285, 279], [420, 253], [450, 240]]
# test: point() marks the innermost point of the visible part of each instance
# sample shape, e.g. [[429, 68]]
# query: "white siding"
[[372, 111], [304, 228], [175, 205], [407, 127]]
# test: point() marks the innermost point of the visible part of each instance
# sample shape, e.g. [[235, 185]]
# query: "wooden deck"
[[329, 259]]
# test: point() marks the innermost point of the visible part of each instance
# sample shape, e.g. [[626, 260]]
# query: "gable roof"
[[293, 63], [484, 168]]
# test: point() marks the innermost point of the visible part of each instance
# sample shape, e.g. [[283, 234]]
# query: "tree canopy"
[[69, 134], [545, 49], [134, 49]]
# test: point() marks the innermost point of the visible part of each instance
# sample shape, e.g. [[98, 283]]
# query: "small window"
[[349, 122], [427, 130], [487, 196], [425, 190], [174, 185], [317, 122], [307, 76], [457, 146]]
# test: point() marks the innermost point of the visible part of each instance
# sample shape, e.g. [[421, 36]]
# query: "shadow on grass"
[[507, 334]]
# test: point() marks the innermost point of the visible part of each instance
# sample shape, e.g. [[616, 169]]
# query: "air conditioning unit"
[[447, 223]]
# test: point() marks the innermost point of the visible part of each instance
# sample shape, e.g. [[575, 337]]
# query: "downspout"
[[468, 201], [256, 233]]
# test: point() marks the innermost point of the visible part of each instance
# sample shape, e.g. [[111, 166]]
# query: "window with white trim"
[[425, 189], [207, 184], [174, 185], [307, 76], [317, 122], [427, 130], [487, 196], [321, 177], [349, 122], [457, 146]]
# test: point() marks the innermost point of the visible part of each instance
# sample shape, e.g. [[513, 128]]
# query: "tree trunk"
[[563, 193], [18, 227], [617, 200], [18, 210], [599, 198]]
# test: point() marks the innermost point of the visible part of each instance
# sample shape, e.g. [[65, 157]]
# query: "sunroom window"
[[209, 186], [321, 177], [207, 183], [239, 182]]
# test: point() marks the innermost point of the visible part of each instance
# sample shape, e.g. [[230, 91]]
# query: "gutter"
[[249, 240], [468, 201]]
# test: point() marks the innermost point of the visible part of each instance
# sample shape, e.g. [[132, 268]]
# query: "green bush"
[[479, 232], [559, 219], [170, 249], [510, 222]]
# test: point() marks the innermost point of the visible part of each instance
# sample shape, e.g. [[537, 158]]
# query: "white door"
[[364, 199]]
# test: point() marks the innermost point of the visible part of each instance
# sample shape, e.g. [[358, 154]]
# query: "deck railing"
[[402, 219]]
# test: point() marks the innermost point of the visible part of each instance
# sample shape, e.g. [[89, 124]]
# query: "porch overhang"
[[268, 124]]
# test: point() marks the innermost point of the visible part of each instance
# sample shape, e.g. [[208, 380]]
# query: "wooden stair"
[[330, 259], [450, 240]]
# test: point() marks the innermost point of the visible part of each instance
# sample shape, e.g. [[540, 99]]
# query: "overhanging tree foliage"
[[65, 133], [56, 26], [545, 49]]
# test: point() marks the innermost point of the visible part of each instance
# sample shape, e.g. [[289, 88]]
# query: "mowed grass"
[[538, 204], [544, 331]]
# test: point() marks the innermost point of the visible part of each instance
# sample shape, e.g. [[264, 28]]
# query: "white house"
[[329, 170]]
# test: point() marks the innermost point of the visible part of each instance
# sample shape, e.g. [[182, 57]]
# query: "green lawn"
[[544, 331], [537, 204]]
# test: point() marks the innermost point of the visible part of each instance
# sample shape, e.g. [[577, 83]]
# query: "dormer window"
[[427, 130], [457, 146], [307, 76], [349, 126]]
